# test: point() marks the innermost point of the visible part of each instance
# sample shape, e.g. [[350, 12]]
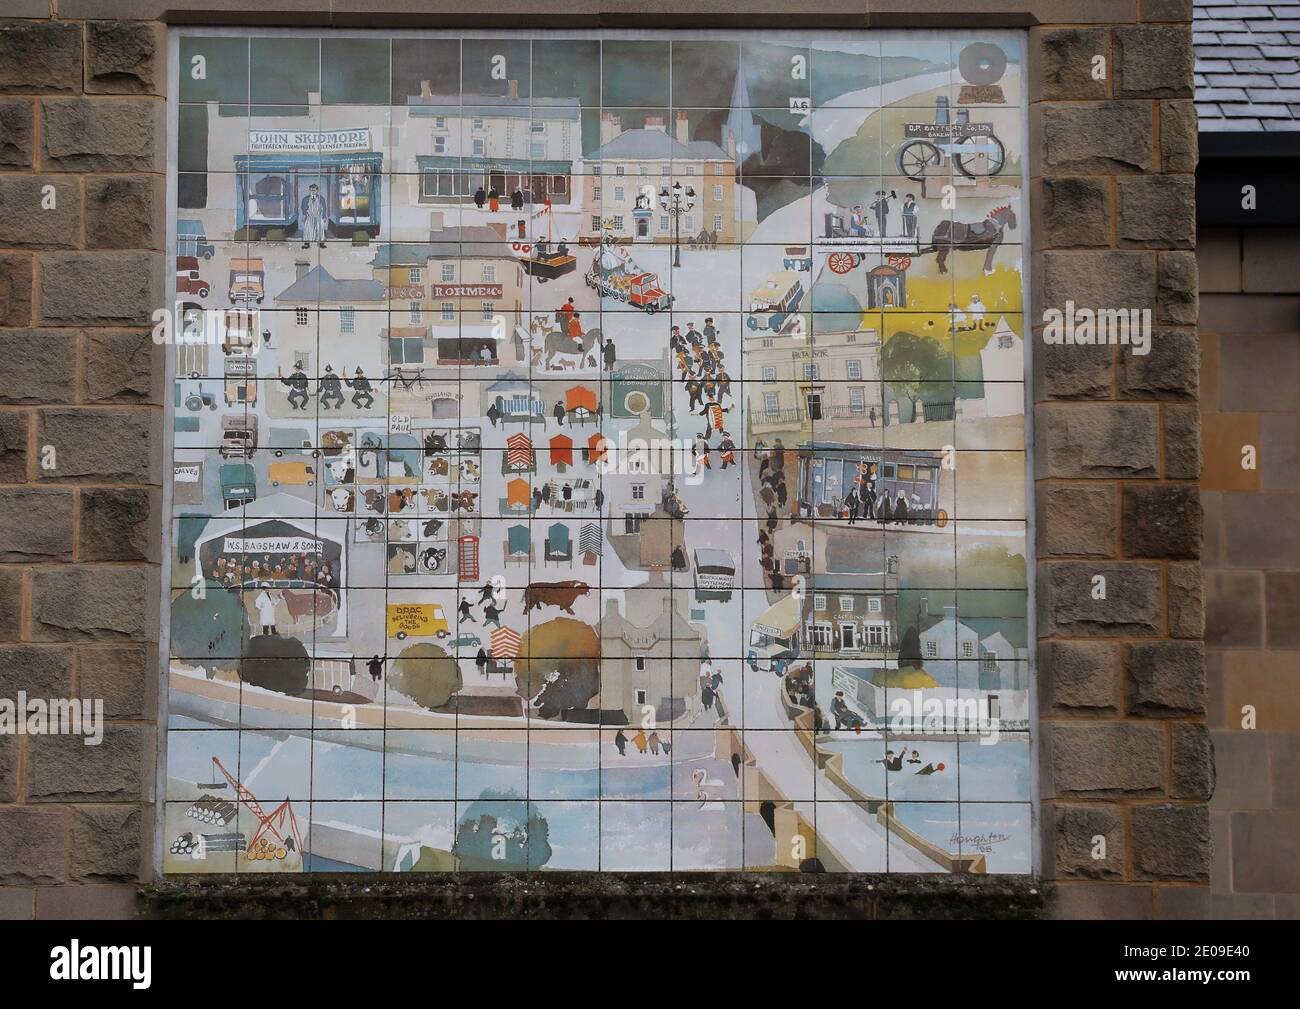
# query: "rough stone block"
[[35, 365], [97, 135], [1093, 138], [107, 843], [1102, 902], [27, 218], [100, 288], [1153, 61], [35, 524], [75, 603], [103, 902], [65, 769], [1182, 426], [122, 366], [124, 676], [1072, 212], [1171, 370], [15, 289], [1157, 212], [1104, 758], [1165, 678], [1186, 600], [1161, 521], [1076, 519], [119, 524], [1177, 276], [1080, 675], [124, 57], [110, 445], [42, 670], [40, 56], [125, 212], [1192, 760], [17, 133], [1234, 609], [1132, 607], [11, 603], [1061, 62], [13, 447], [1179, 150], [1075, 833], [1072, 372], [1096, 279], [1096, 440], [1171, 842], [33, 845]]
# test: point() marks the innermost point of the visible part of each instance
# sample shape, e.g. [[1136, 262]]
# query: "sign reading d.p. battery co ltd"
[[308, 141]]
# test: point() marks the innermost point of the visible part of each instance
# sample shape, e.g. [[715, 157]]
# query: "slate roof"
[[1247, 65], [319, 285], [656, 145]]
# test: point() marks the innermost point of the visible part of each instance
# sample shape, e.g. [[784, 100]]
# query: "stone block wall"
[[82, 229], [1250, 347], [1125, 751]]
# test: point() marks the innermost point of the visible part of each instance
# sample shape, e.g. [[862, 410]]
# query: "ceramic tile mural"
[[598, 452]]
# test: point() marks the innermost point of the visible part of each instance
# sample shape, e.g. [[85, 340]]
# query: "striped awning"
[[505, 643], [519, 451], [590, 539]]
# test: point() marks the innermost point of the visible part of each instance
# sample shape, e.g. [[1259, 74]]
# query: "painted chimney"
[[512, 89], [425, 90], [300, 268], [731, 145], [683, 128], [656, 123], [611, 125]]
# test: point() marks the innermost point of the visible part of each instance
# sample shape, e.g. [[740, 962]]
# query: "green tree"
[[212, 628], [917, 367], [427, 675], [276, 663], [502, 832]]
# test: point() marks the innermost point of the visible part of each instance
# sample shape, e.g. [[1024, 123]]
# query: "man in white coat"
[[266, 603]]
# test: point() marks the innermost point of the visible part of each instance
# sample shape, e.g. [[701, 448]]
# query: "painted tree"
[[276, 663], [558, 666], [502, 832], [427, 675], [917, 367], [210, 630]]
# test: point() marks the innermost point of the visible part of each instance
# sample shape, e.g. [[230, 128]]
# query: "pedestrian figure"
[[654, 743], [361, 390], [297, 383], [466, 615], [480, 197], [492, 615], [376, 667], [265, 603], [609, 354], [639, 741], [620, 742]]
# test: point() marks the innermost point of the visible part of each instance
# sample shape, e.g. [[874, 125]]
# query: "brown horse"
[[963, 237]]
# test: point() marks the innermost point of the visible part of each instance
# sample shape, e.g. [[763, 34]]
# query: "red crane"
[[273, 824]]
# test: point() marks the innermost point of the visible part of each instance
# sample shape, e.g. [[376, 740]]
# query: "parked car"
[[188, 280]]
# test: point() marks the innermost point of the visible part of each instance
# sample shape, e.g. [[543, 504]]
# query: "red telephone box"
[[467, 555]]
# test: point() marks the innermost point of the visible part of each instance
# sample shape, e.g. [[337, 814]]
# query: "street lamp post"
[[677, 201]]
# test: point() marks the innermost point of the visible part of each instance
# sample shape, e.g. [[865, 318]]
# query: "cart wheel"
[[442, 634], [940, 518], [336, 689], [275, 483], [841, 262], [914, 155], [279, 453], [542, 280], [311, 483], [996, 158], [203, 292], [401, 635]]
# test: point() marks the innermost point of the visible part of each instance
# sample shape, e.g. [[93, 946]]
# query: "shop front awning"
[[512, 166], [505, 643], [371, 162], [519, 451]]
